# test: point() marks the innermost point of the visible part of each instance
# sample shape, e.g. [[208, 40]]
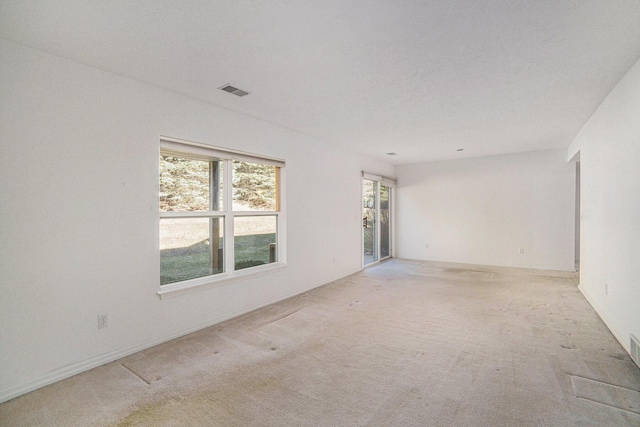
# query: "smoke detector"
[[234, 90]]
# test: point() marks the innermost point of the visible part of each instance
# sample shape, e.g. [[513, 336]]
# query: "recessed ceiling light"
[[234, 90], [392, 154], [460, 149]]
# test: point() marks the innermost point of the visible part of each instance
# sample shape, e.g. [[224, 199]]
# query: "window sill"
[[202, 283]]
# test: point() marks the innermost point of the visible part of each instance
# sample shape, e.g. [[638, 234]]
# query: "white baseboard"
[[616, 333], [77, 368]]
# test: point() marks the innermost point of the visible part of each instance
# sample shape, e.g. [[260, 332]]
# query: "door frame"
[[391, 184]]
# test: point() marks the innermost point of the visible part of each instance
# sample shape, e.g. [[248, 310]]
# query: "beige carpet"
[[402, 344]]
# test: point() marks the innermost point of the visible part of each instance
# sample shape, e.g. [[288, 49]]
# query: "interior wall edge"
[[608, 323]]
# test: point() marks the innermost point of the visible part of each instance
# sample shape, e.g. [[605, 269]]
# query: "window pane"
[[385, 229], [369, 222], [254, 187], [185, 184], [216, 185], [186, 249], [254, 240]]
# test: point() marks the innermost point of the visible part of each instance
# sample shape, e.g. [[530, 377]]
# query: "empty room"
[[320, 213]]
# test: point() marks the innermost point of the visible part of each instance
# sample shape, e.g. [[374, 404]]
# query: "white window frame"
[[189, 149]]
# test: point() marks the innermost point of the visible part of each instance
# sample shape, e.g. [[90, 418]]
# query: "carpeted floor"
[[406, 343]]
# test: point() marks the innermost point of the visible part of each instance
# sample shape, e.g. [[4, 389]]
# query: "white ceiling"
[[420, 78]]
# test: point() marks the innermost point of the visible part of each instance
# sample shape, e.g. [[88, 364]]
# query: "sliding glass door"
[[385, 221], [369, 221], [376, 220]]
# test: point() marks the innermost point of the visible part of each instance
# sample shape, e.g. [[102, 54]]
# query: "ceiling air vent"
[[233, 90]]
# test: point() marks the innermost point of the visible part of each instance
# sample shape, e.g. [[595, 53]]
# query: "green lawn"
[[194, 261]]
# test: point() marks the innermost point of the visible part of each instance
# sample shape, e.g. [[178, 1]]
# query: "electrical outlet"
[[103, 321], [606, 289], [521, 251]]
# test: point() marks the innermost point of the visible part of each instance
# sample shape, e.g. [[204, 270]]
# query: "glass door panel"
[[385, 221], [369, 221]]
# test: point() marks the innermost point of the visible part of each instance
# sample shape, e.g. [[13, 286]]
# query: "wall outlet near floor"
[[606, 289], [103, 321], [521, 251]]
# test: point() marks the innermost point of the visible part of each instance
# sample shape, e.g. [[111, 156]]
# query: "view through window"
[[218, 214]]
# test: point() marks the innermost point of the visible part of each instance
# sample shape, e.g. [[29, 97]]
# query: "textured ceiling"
[[420, 78]]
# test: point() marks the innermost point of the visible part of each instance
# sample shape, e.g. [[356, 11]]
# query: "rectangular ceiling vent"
[[234, 90]]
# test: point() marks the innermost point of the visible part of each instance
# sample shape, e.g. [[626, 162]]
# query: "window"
[[220, 213]]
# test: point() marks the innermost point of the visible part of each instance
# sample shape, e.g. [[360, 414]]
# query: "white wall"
[[609, 148], [484, 210], [79, 215]]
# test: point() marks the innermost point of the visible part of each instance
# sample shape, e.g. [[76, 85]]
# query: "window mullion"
[[229, 255], [214, 225], [191, 214]]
